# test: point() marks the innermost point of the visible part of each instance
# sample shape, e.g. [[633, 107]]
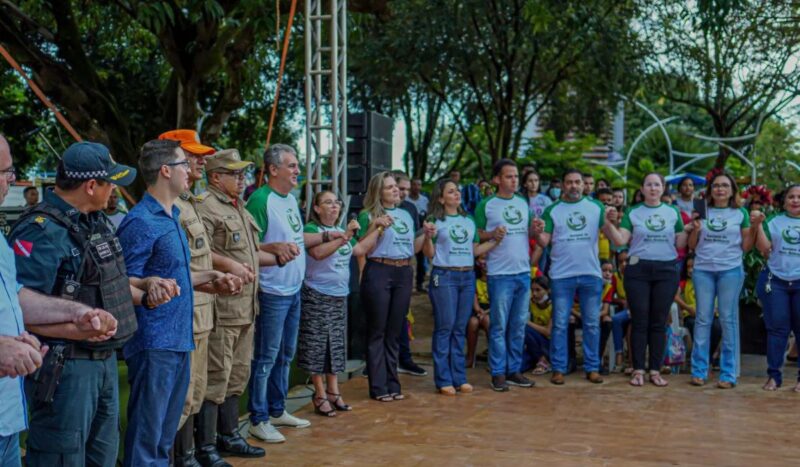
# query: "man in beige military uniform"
[[234, 238], [203, 317]]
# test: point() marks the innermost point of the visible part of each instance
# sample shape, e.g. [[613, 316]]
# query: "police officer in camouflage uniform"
[[203, 318], [234, 237], [65, 247]]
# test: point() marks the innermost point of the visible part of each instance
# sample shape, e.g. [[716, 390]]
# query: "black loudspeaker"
[[370, 151]]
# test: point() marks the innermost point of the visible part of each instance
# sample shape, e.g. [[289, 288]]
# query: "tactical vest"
[[101, 280]]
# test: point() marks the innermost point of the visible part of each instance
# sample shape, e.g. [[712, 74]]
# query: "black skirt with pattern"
[[320, 341]]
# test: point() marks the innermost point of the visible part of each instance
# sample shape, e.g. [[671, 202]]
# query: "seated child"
[[537, 333]]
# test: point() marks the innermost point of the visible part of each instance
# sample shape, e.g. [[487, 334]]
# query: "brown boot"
[[594, 377], [557, 378]]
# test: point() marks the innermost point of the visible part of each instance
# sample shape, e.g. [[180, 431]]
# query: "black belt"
[[74, 352]]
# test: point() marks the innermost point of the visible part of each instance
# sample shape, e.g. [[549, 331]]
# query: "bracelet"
[[326, 237]]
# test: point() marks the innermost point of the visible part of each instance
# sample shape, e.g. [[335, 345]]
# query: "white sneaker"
[[287, 419], [266, 432]]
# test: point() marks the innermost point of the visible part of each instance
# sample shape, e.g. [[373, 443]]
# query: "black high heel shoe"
[[318, 401], [337, 402]]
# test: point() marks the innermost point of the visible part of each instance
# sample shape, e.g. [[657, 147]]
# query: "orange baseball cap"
[[189, 140]]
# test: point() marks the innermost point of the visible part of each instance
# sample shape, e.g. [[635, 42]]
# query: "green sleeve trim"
[[480, 213], [476, 238], [311, 227], [547, 217], [625, 223], [257, 207], [766, 225], [679, 222], [363, 221], [602, 211], [745, 218]]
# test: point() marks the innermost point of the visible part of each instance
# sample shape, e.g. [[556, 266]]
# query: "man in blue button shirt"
[[154, 244], [21, 353]]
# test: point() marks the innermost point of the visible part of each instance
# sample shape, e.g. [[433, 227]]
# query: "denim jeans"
[[159, 381], [724, 288], [781, 315], [9, 451], [619, 322], [589, 290], [451, 294], [275, 342], [536, 347], [510, 296]]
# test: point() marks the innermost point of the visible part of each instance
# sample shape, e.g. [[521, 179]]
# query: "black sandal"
[[397, 396], [318, 410], [337, 402], [383, 398]]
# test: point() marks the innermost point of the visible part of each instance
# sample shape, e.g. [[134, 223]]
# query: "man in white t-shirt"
[[506, 218], [571, 226], [277, 214], [419, 199]]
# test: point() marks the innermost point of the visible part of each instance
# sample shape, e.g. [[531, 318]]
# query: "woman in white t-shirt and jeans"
[[655, 231], [778, 285], [452, 284], [719, 242]]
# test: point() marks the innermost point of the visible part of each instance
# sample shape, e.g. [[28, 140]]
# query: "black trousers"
[[419, 278], [650, 287], [386, 296]]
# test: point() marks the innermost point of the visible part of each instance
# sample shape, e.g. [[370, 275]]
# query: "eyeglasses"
[[184, 163], [234, 173], [10, 173], [332, 202], [720, 185]]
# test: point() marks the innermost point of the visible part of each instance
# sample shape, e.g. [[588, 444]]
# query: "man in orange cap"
[[200, 247]]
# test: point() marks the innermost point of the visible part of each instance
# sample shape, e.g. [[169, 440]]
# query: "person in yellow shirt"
[[537, 333], [480, 311]]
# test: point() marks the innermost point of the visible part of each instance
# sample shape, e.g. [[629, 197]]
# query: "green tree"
[[733, 60]]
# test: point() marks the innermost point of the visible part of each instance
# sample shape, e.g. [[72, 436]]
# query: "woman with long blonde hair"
[[386, 281]]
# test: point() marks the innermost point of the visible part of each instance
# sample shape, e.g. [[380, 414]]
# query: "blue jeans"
[[9, 451], [723, 287], [275, 342], [536, 347], [509, 296], [452, 294], [781, 315], [618, 323], [159, 380], [589, 290]]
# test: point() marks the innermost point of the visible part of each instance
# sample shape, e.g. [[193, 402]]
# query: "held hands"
[[756, 218], [695, 226], [384, 221], [21, 355], [538, 226], [160, 290], [352, 228], [244, 272], [227, 284], [429, 229], [97, 322], [611, 214], [285, 252]]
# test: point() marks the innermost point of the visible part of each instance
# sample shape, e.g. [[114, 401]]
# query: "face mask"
[[556, 192]]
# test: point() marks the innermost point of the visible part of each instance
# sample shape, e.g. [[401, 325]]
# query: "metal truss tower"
[[326, 98]]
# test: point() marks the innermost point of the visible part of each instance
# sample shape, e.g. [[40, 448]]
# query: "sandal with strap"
[[318, 402], [384, 398], [657, 380], [797, 387], [541, 369], [397, 396], [770, 385], [337, 402], [637, 378]]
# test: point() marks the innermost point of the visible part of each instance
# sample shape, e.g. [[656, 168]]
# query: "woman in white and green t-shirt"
[[779, 283], [452, 284], [719, 241], [321, 337], [386, 281], [654, 231]]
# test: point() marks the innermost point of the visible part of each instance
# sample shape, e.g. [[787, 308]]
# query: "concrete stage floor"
[[575, 424]]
